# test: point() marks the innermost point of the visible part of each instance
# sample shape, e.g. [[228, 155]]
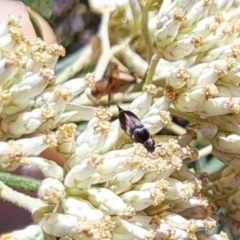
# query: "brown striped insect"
[[135, 129], [113, 81]]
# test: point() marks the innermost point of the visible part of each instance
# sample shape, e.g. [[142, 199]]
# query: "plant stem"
[[20, 182], [151, 69]]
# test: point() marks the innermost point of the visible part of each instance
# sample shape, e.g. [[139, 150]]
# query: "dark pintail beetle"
[[135, 129]]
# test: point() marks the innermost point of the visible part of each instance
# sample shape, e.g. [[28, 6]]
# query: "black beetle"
[[135, 129]]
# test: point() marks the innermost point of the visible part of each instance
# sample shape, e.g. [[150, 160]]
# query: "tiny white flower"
[[51, 190], [32, 232]]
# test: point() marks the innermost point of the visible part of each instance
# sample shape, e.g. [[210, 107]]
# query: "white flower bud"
[[156, 123], [177, 78], [209, 130], [23, 123], [80, 176], [51, 190], [141, 104], [35, 145], [112, 137], [48, 167], [93, 138], [66, 140], [141, 199], [227, 142], [113, 162], [127, 230], [75, 86], [123, 181], [32, 232], [81, 208], [24, 92], [167, 33], [196, 13], [108, 202], [182, 47], [182, 223], [59, 225], [81, 113], [172, 233]]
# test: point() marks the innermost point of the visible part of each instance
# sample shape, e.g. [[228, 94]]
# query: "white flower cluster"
[[192, 49], [107, 193]]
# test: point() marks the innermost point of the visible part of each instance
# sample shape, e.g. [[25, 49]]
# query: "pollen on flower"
[[235, 51], [138, 159], [197, 40], [155, 222], [139, 150], [95, 158], [150, 235], [224, 236], [47, 74], [151, 89], [103, 114], [5, 95], [175, 162], [13, 59], [84, 226], [209, 90], [96, 230], [90, 80], [159, 191], [233, 106], [166, 118], [56, 50], [20, 50], [187, 190], [161, 165], [40, 57], [191, 229], [208, 208], [231, 62], [67, 130], [128, 212], [37, 45], [16, 34], [220, 71], [192, 152], [174, 147], [209, 223], [102, 126], [12, 21], [169, 149], [50, 139], [102, 229], [179, 15], [62, 91], [170, 93], [47, 112], [218, 17], [212, 27], [16, 154], [208, 2], [232, 28], [51, 196], [183, 75]]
